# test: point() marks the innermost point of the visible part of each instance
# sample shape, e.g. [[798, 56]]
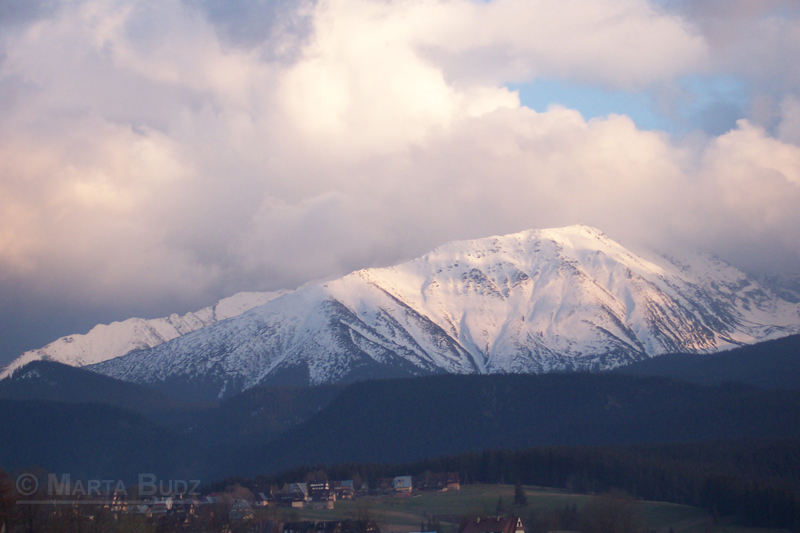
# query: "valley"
[[557, 357]]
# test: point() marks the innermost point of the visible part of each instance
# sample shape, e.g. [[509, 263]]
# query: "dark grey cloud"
[[739, 11], [718, 117], [16, 15], [16, 12], [285, 24]]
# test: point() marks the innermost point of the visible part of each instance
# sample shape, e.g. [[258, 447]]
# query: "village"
[[425, 503], [298, 507], [282, 505], [324, 494]]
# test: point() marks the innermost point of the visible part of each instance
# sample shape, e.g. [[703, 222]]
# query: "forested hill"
[[408, 419], [771, 365], [390, 421], [57, 382], [92, 441]]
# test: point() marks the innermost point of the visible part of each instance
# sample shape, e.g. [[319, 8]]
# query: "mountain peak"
[[535, 301], [574, 229]]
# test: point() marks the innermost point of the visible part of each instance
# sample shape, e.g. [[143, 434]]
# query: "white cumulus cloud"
[[149, 160]]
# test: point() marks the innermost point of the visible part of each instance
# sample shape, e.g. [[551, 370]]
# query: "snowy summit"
[[535, 301]]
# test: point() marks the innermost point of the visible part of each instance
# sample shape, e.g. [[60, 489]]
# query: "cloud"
[[14, 13], [619, 44], [756, 179], [789, 128], [151, 161], [755, 43], [286, 24]]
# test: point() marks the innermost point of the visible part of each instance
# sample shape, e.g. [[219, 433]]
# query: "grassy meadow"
[[404, 514]]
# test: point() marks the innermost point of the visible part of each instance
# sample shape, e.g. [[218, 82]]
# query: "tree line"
[[756, 481]]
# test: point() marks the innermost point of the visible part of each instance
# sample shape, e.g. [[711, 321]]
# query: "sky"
[[158, 155]]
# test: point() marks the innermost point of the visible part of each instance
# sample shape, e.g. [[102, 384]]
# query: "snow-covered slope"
[[119, 338], [536, 301]]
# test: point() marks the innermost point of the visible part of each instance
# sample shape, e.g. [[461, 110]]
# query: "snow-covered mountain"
[[536, 301], [119, 338]]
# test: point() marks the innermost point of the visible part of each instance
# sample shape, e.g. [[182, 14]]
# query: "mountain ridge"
[[772, 364], [535, 301], [107, 341]]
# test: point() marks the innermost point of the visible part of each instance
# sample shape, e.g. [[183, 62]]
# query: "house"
[[161, 505], [152, 507], [117, 502], [402, 485], [241, 510], [385, 485], [141, 508], [294, 499], [321, 492], [264, 500], [344, 490], [453, 481], [431, 482], [187, 506], [493, 524], [441, 481], [321, 497], [301, 488], [320, 485]]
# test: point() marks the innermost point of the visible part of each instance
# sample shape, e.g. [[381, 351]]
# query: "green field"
[[407, 513], [404, 514]]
